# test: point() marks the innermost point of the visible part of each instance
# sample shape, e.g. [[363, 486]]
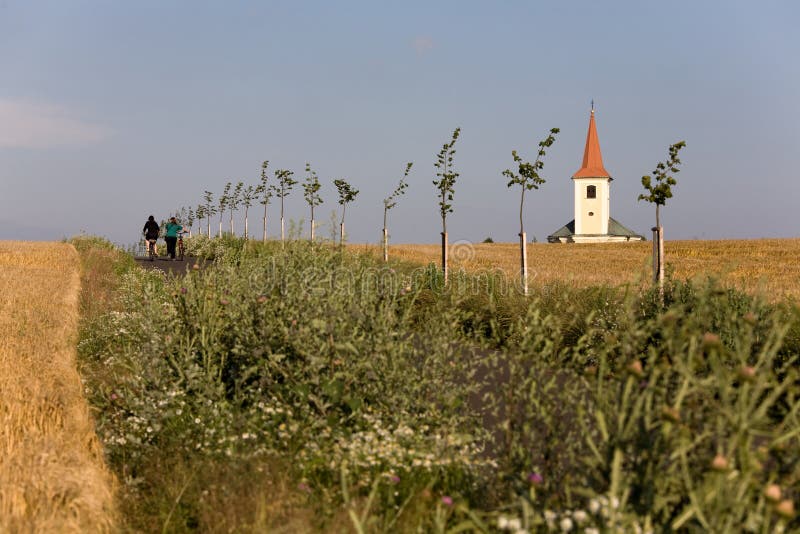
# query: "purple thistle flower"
[[535, 478], [447, 500]]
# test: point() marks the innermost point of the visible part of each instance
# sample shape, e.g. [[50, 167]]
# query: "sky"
[[113, 111]]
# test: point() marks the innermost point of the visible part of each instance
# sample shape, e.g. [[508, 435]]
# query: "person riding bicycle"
[[151, 231], [171, 235]]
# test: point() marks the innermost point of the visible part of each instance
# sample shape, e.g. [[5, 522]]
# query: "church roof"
[[615, 229], [592, 158]]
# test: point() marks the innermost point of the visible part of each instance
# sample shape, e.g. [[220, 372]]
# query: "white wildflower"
[[514, 524], [502, 523], [566, 524], [591, 530], [614, 503], [580, 516]]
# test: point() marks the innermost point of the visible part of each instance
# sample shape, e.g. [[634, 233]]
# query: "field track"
[[770, 267], [52, 475]]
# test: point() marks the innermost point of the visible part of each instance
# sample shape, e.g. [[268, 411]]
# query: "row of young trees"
[[234, 197], [526, 176]]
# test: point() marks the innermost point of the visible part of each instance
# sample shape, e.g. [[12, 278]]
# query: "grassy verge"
[[305, 389]]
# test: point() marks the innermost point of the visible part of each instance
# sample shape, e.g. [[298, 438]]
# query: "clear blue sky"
[[111, 111]]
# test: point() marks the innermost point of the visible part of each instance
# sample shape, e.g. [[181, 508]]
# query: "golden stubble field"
[[52, 475], [767, 266]]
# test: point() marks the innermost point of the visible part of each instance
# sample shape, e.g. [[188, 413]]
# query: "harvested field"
[[52, 475], [768, 266]]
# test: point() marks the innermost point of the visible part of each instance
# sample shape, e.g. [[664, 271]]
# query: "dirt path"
[[52, 475], [166, 265]]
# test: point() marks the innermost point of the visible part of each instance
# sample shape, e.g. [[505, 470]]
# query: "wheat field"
[[770, 267], [52, 475]]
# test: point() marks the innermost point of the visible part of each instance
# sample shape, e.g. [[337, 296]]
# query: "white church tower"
[[592, 222]]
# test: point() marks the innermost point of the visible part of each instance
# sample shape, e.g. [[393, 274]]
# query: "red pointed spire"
[[592, 158]]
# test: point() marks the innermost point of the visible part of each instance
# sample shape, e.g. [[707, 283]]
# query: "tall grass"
[[342, 394], [52, 474]]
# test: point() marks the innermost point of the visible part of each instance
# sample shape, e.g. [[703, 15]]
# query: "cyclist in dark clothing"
[[151, 231]]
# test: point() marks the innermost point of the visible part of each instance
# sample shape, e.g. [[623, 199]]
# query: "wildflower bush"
[[388, 403]]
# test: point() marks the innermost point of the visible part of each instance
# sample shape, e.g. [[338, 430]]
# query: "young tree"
[[390, 202], [347, 194], [528, 179], [200, 213], [234, 201], [285, 185], [266, 191], [249, 194], [209, 210], [190, 220], [446, 185], [223, 203], [658, 193], [311, 188]]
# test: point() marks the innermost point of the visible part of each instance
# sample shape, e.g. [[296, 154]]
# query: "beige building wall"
[[591, 214]]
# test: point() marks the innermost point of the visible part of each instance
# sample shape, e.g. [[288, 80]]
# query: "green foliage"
[[447, 177], [285, 183], [528, 177], [265, 190], [391, 201], [661, 190], [311, 188], [346, 192], [395, 404]]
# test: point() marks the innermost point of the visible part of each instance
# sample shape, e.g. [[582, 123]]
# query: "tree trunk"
[[658, 260], [265, 222], [312, 230], [523, 246], [444, 256], [282, 233], [341, 235], [385, 235], [655, 254], [661, 263]]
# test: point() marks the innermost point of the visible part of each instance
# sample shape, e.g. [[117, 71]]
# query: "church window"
[[591, 191]]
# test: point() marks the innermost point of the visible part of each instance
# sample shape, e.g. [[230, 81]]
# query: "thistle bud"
[[719, 463], [747, 373], [773, 493], [785, 509], [750, 318], [635, 368], [711, 341], [590, 370], [671, 414]]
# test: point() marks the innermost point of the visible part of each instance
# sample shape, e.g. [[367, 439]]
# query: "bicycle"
[[180, 246], [151, 249]]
